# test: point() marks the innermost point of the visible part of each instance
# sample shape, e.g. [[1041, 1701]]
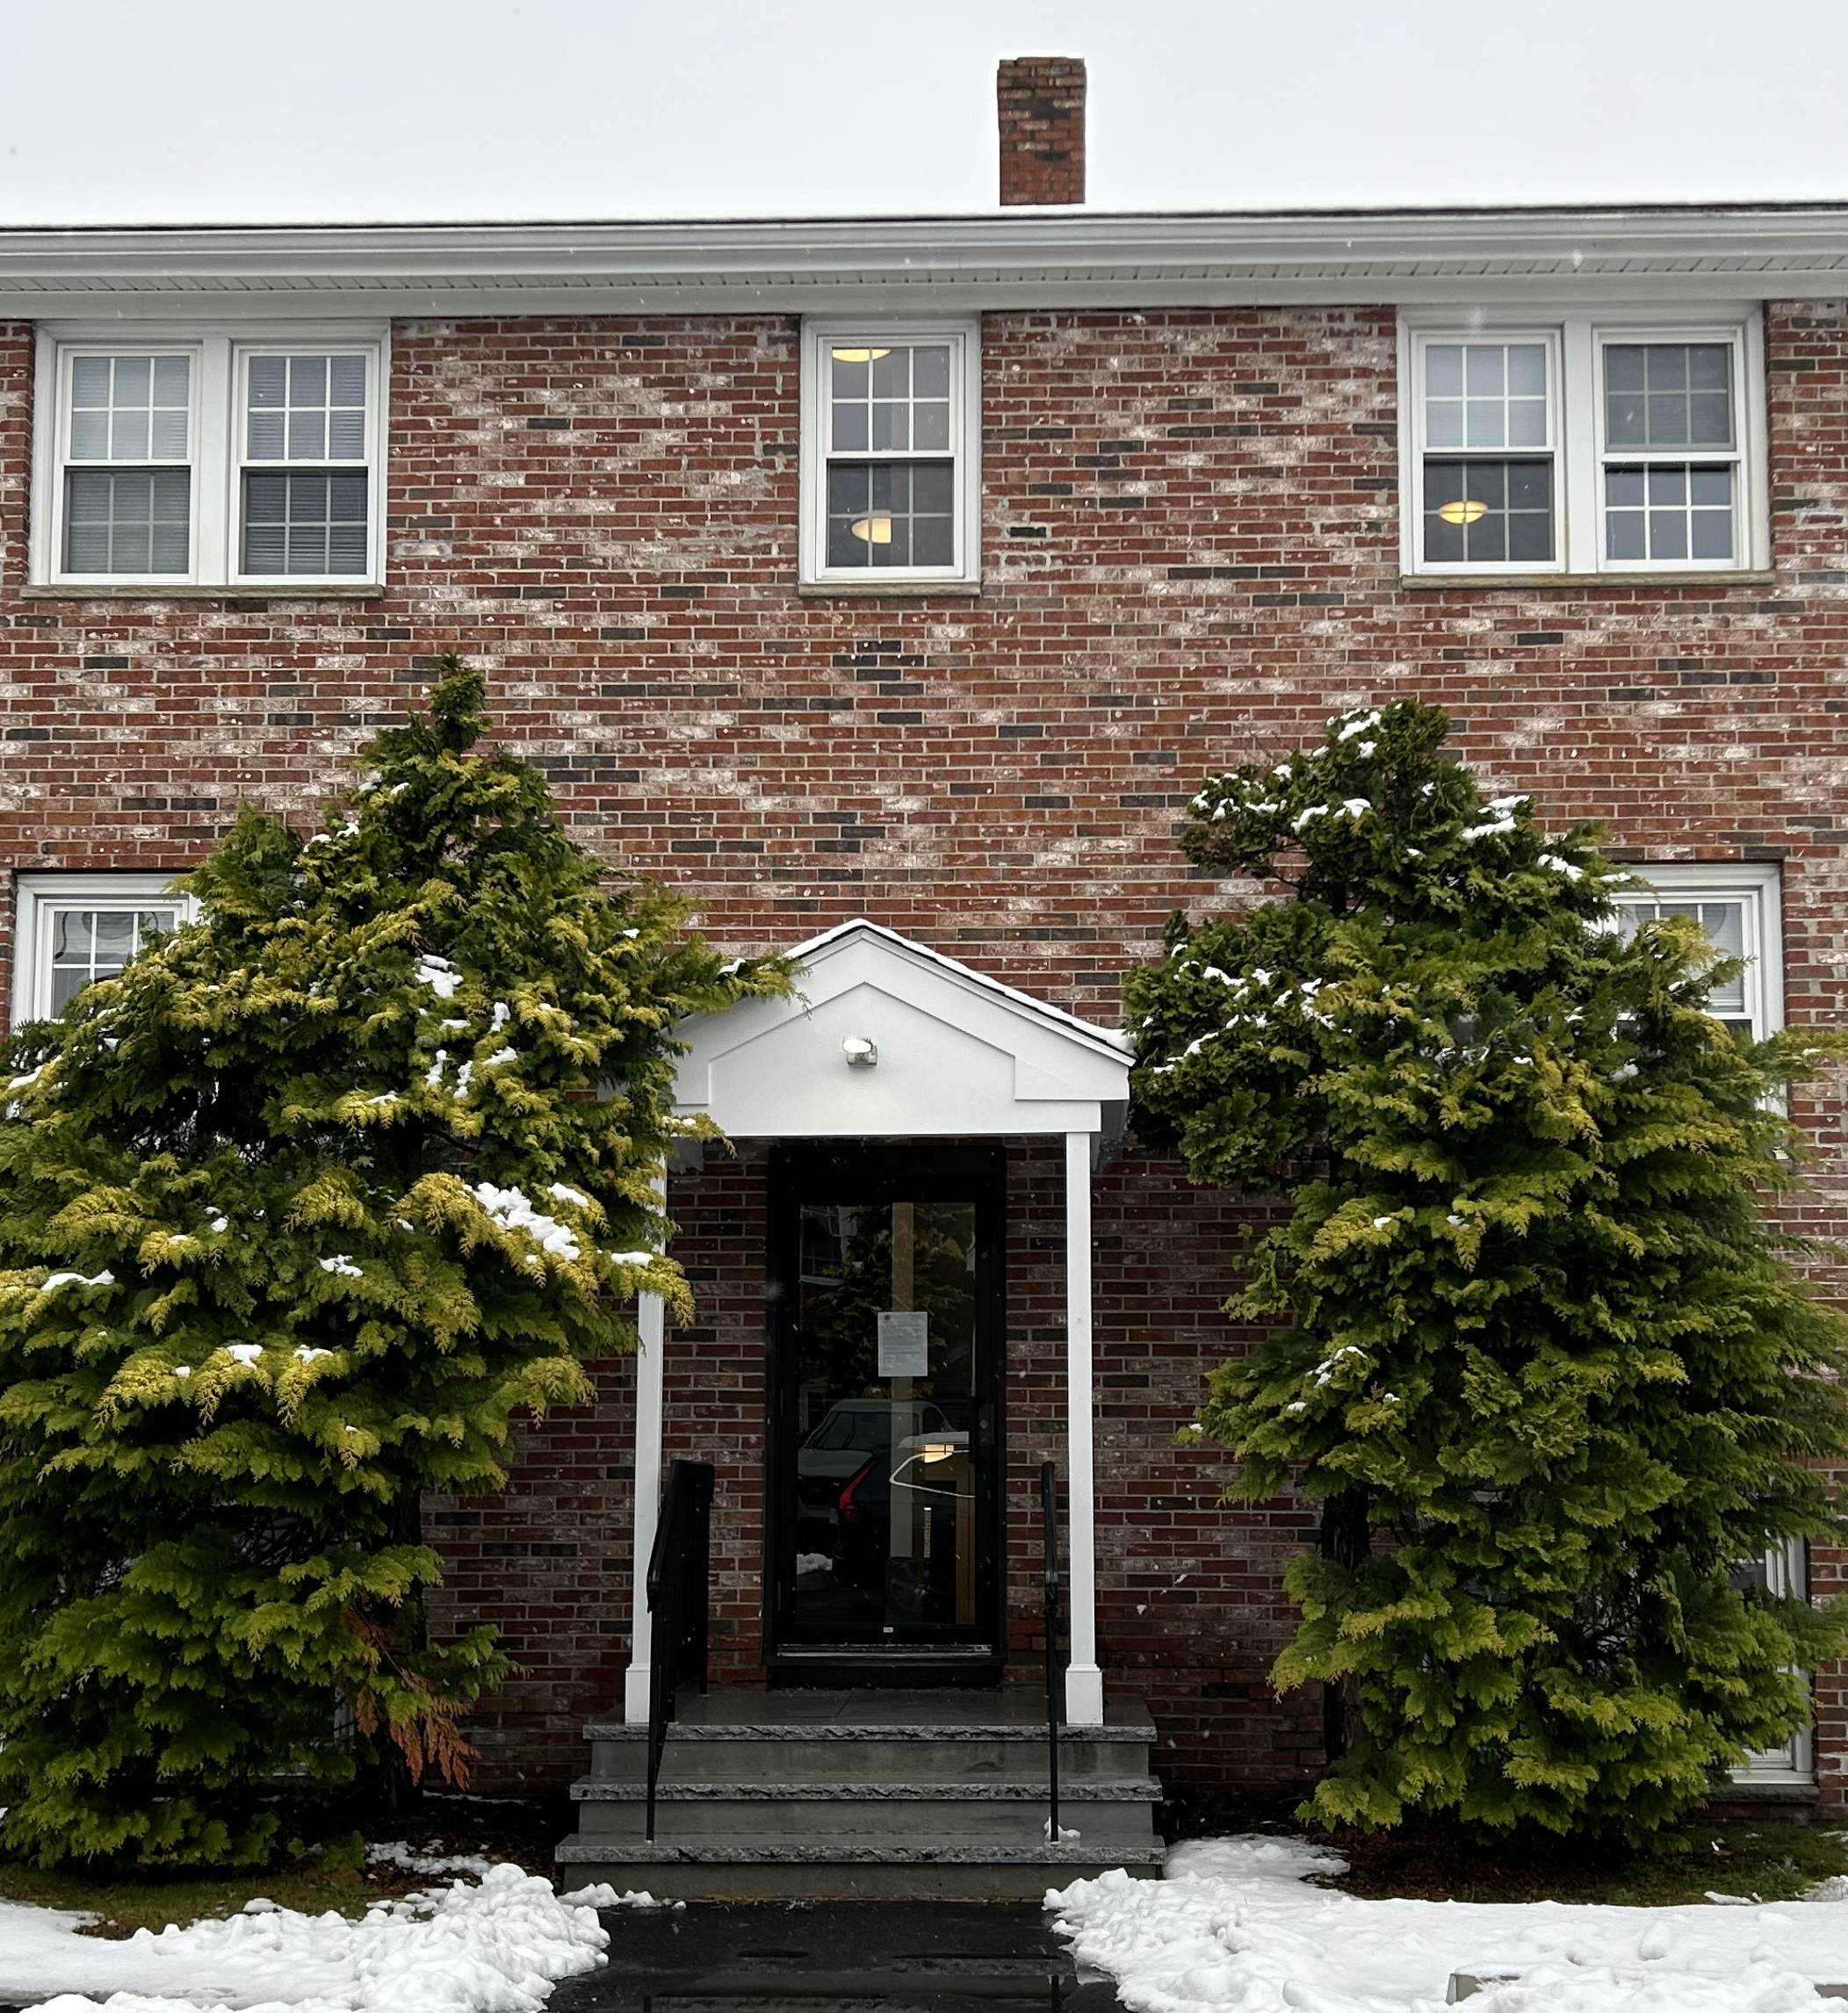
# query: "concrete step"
[[874, 1736], [1111, 1814], [869, 1754], [859, 1794], [1127, 1789], [992, 1872]]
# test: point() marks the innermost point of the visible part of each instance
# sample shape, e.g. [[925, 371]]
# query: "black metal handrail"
[[679, 1581], [1055, 1676]]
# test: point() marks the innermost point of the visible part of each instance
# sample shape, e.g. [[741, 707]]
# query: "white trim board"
[[945, 264], [958, 1054]]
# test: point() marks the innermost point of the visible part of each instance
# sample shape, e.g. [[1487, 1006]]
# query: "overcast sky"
[[141, 111]]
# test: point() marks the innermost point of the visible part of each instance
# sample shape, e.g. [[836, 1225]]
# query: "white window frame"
[[1553, 451], [1758, 886], [964, 335], [216, 442], [1786, 1571], [1576, 429], [42, 898]]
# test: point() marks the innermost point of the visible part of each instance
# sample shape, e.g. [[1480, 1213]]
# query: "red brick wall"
[[1191, 554], [1190, 1611]]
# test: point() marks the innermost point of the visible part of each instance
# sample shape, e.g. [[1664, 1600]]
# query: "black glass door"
[[884, 1467]]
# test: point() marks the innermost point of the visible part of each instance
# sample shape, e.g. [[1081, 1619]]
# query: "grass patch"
[[1754, 1857], [1755, 1860], [122, 1902]]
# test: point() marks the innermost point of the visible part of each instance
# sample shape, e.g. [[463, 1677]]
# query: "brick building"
[[911, 571]]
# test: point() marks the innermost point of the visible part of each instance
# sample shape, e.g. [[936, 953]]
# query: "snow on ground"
[[1236, 1927], [396, 1852], [497, 1948]]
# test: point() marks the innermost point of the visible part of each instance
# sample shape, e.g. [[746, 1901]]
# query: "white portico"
[[887, 1039]]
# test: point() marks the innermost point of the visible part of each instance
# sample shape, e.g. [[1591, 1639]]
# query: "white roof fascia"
[[954, 1054], [1111, 1041], [1062, 258]]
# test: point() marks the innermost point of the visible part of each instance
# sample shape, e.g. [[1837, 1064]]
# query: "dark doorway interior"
[[886, 1455]]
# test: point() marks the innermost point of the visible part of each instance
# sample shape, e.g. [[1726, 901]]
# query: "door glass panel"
[[885, 1474]]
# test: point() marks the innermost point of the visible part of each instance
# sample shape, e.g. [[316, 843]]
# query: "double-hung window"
[[209, 460], [889, 454], [1582, 446], [72, 929], [1737, 908]]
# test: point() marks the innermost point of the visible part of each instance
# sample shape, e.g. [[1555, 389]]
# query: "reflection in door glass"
[[885, 1473]]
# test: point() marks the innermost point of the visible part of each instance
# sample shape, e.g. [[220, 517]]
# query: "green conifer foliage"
[[1545, 1363], [297, 1216]]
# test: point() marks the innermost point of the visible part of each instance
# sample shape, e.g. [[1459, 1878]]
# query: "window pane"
[[1479, 513], [1444, 369], [96, 943], [129, 408], [1723, 924], [1668, 394], [304, 408], [1485, 394], [1668, 510], [888, 398], [128, 520], [300, 524], [891, 514]]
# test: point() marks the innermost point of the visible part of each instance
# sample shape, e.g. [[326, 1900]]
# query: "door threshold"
[[902, 1668]]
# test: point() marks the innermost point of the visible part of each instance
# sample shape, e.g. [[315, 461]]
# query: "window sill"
[[1578, 582], [157, 590], [886, 590], [1792, 1788]]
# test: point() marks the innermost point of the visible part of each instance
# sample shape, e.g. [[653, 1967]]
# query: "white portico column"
[[651, 1326], [1084, 1680]]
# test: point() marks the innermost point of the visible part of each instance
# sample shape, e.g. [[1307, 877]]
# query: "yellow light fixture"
[[859, 355], [872, 531], [937, 1450], [1464, 511]]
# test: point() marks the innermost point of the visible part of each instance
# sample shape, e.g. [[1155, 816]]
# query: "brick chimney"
[[1040, 100]]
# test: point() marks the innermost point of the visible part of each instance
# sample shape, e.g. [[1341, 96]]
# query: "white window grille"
[[891, 478], [1582, 446], [202, 461], [72, 929]]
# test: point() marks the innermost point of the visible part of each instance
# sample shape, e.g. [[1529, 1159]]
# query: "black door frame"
[[887, 1171]]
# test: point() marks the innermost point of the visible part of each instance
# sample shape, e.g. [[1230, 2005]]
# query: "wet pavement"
[[834, 1957]]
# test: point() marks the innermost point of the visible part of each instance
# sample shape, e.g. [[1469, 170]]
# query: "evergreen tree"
[[298, 1214], [1546, 1365]]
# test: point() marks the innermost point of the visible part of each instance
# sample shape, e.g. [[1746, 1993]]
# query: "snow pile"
[[1237, 1928], [603, 1895], [397, 1852], [497, 1948], [439, 975], [60, 1279], [510, 1209]]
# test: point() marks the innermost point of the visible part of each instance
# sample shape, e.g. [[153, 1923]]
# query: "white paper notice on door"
[[904, 1344]]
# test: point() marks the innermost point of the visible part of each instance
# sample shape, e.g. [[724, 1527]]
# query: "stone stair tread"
[[584, 1850], [798, 1730], [599, 1789], [734, 1713]]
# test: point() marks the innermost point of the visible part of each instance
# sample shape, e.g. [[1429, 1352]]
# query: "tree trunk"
[[396, 1788], [1347, 1540]]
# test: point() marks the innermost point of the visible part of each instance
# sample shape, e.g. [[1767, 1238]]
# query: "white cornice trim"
[[818, 950], [1055, 259]]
